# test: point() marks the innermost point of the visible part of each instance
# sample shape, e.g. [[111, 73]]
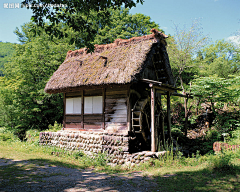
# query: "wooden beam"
[[163, 88], [153, 128], [181, 95], [169, 117], [160, 84]]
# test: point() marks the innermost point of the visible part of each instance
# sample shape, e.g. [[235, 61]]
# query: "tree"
[[221, 58], [124, 25], [25, 105], [81, 16], [219, 92], [6, 51], [182, 49], [210, 88]]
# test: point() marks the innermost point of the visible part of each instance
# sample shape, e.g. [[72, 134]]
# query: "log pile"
[[217, 146]]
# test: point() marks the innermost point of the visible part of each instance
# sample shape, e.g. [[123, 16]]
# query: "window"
[[73, 105], [93, 104]]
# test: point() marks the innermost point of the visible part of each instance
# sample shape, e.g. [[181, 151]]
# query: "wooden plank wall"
[[116, 109]]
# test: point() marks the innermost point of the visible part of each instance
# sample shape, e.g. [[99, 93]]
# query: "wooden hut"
[[117, 89]]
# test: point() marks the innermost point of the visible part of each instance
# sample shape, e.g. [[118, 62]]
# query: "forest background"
[[207, 71]]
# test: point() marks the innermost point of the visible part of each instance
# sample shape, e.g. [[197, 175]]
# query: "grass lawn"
[[190, 175]]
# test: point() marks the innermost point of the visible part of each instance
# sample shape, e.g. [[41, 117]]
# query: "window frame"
[[78, 109], [96, 104]]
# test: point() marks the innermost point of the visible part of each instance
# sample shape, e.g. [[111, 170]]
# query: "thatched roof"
[[120, 62]]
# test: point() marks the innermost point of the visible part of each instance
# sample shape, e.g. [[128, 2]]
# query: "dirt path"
[[24, 176]]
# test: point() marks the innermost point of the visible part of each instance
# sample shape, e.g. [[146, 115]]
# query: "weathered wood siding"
[[116, 109]]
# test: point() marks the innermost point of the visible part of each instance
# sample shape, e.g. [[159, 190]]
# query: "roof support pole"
[[82, 112], [64, 110], [153, 128], [168, 116], [103, 109], [162, 141]]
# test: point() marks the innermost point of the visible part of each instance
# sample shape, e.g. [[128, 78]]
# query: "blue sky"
[[220, 19]]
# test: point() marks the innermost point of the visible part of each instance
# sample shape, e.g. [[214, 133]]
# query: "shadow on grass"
[[48, 175], [202, 180]]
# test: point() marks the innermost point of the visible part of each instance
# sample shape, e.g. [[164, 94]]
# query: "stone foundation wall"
[[116, 146]]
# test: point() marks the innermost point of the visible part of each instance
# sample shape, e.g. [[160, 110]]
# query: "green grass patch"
[[172, 172]]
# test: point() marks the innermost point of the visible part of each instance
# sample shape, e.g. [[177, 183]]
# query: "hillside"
[[6, 51]]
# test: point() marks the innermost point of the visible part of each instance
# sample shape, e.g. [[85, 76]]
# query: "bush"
[[235, 140], [222, 160], [32, 136], [6, 135], [56, 127], [177, 134]]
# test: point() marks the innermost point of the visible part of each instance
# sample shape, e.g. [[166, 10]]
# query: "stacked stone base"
[[115, 146]]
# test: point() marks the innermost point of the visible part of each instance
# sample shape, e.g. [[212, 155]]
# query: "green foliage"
[[222, 160], [24, 104], [177, 134], [55, 127], [213, 135], [124, 25], [83, 17], [235, 135], [7, 135], [226, 121], [216, 90], [221, 59], [6, 51], [209, 87]]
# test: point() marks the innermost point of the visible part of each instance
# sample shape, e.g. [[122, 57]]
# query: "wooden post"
[[129, 112], [82, 112], [153, 128], [168, 116], [64, 110], [103, 110], [161, 124]]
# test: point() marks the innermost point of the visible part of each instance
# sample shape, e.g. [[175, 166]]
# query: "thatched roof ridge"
[[119, 42], [116, 63]]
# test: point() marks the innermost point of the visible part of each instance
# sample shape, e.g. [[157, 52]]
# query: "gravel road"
[[56, 178]]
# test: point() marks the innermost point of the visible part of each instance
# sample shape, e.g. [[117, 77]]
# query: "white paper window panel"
[[69, 105], [97, 104], [88, 105], [73, 105], [77, 105]]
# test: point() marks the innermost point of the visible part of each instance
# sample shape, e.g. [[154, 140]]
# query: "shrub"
[[7, 135], [32, 136], [235, 140], [221, 160], [55, 127]]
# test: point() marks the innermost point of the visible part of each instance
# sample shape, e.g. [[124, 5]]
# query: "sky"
[[219, 19]]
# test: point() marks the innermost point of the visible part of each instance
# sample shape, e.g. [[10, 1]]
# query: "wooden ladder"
[[137, 116]]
